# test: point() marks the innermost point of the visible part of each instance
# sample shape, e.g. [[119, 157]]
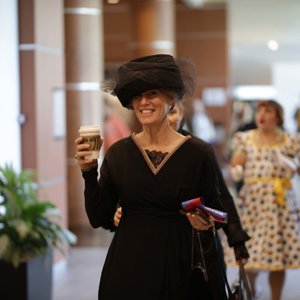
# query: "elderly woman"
[[150, 174]]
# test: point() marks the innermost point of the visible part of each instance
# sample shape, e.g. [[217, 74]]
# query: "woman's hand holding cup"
[[88, 146]]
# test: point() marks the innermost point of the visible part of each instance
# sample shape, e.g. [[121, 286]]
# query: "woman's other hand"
[[81, 151], [236, 172], [236, 167], [241, 253], [117, 216], [198, 223]]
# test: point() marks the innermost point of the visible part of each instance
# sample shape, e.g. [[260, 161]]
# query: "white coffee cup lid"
[[85, 128]]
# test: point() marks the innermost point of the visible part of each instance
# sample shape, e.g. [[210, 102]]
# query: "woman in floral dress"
[[266, 159]]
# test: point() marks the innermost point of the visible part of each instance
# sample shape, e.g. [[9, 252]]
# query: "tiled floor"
[[78, 278]]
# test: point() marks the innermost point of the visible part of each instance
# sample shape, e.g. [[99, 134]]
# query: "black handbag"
[[240, 289]]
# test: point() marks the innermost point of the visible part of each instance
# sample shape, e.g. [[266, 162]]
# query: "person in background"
[[247, 122], [150, 174], [266, 159], [297, 119], [115, 126], [203, 126]]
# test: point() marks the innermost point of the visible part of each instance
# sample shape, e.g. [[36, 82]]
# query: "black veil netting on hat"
[[144, 73]]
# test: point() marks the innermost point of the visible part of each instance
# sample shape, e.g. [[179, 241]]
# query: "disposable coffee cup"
[[91, 135]]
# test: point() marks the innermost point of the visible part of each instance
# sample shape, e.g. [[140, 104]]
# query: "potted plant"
[[29, 230]]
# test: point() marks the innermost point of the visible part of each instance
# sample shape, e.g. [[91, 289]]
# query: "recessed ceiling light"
[[113, 1], [194, 3], [273, 45]]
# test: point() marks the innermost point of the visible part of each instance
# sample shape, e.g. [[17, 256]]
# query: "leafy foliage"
[[28, 226]]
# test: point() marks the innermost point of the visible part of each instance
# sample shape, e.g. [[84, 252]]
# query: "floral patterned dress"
[[267, 204]]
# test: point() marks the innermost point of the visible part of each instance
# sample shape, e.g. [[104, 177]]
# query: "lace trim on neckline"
[[156, 157]]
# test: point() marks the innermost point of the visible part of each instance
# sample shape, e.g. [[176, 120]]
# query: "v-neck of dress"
[[148, 160]]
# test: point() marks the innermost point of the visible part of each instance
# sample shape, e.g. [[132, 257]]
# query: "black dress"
[[150, 254], [233, 229]]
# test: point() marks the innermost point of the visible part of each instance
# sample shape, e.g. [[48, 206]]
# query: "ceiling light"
[[273, 45], [113, 1], [194, 3], [254, 92]]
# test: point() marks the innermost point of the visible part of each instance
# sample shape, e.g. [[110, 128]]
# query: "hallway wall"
[[9, 84]]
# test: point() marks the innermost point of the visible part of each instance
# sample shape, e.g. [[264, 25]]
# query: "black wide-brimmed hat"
[[146, 73]]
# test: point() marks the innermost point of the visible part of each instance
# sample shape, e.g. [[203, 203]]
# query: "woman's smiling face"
[[151, 107]]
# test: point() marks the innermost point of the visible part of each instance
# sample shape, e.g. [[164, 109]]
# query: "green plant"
[[28, 225]]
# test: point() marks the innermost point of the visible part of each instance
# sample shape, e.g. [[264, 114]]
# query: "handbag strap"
[[244, 280], [196, 240], [228, 288]]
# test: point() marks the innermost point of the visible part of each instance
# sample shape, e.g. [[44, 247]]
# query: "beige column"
[[84, 68], [42, 83], [154, 27]]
